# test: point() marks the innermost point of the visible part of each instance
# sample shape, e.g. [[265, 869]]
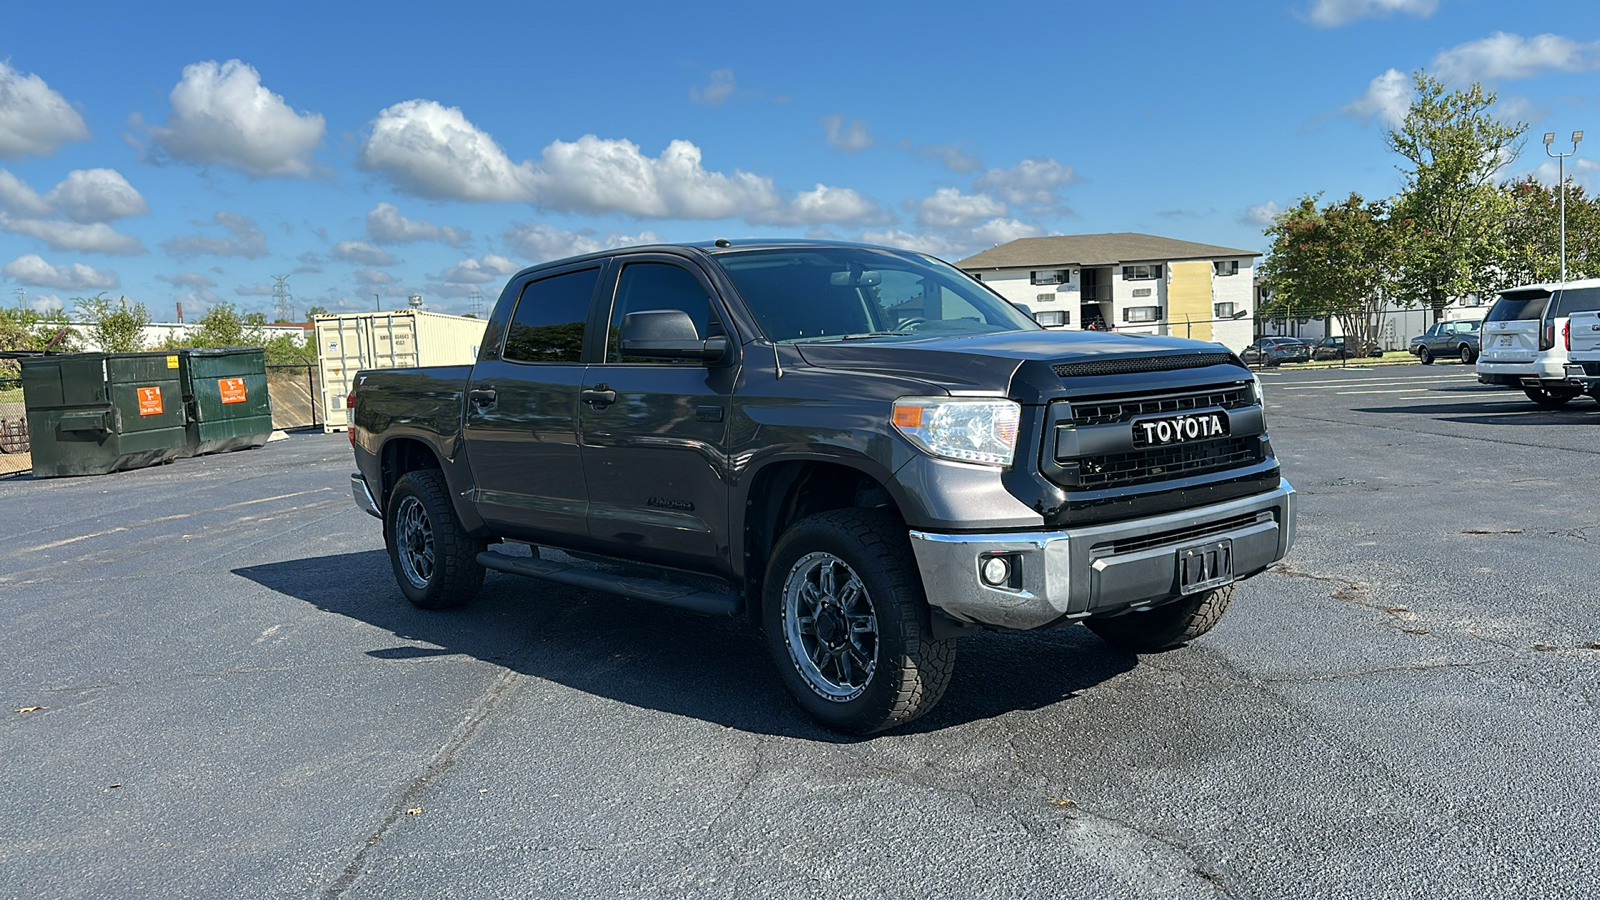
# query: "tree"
[[1531, 234], [1449, 212], [223, 326], [112, 327], [26, 329], [1335, 261], [314, 311]]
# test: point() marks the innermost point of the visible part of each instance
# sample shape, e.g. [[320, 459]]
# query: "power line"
[[282, 298]]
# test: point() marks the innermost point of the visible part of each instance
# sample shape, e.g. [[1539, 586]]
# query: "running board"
[[657, 591]]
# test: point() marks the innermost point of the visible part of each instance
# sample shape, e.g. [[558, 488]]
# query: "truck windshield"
[[839, 293]]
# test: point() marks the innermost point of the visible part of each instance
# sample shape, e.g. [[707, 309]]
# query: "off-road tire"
[[1166, 626], [1468, 355], [435, 562], [911, 669], [1425, 356], [1551, 398]]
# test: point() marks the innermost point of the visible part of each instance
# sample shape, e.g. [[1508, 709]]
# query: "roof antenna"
[[723, 242]]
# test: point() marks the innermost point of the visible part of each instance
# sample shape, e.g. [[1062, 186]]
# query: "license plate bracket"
[[1205, 566]]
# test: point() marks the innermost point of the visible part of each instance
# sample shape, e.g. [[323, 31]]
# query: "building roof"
[[1093, 250]]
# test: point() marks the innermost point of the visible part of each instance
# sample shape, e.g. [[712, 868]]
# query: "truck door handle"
[[482, 398], [598, 396]]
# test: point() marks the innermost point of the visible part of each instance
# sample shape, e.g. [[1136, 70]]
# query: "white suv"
[[1524, 338]]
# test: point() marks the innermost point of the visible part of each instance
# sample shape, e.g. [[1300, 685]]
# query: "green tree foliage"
[[1449, 214], [1531, 234], [312, 311], [224, 326], [26, 329], [1334, 261], [113, 327]]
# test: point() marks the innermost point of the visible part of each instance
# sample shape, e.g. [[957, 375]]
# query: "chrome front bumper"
[[1072, 574], [363, 496]]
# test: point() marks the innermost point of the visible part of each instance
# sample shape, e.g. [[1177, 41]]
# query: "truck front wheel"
[[1167, 626], [847, 622], [435, 562]]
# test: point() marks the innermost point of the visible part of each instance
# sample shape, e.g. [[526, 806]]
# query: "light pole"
[[1561, 178]]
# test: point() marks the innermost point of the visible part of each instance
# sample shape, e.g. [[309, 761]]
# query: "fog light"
[[996, 571]]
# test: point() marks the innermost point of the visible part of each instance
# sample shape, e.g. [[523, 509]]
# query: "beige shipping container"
[[392, 339]]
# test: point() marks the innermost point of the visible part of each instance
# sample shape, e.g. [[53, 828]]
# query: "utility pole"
[[377, 301], [22, 296], [476, 299], [282, 298], [1561, 178]]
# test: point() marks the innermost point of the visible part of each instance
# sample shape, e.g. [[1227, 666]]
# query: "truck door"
[[522, 413], [655, 432]]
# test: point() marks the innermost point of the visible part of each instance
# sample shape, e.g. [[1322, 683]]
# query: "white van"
[[1524, 339]]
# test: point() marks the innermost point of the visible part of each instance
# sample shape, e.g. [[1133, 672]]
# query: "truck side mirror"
[[668, 334]]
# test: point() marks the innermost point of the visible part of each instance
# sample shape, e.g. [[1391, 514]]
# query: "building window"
[[1141, 292], [1045, 298], [1141, 273], [1225, 267], [977, 276], [1141, 314], [1049, 276], [1224, 310], [1051, 317]]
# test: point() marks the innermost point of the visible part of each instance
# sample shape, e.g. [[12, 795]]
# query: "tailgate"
[[1583, 336], [1516, 341]]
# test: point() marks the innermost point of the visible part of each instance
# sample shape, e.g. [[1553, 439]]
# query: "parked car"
[[1448, 339], [1342, 347], [1524, 339], [1275, 351]]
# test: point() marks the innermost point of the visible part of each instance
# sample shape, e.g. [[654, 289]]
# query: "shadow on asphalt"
[[655, 657]]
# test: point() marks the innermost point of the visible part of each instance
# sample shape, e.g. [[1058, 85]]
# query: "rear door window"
[[1574, 300], [549, 323], [1519, 306]]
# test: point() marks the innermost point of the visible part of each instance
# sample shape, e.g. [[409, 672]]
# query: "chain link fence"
[[14, 455]]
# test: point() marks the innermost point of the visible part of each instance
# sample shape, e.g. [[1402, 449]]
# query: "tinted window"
[[1574, 300], [827, 293], [654, 285], [1514, 306], [548, 324]]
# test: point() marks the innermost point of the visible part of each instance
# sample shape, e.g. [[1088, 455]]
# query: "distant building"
[[1126, 282]]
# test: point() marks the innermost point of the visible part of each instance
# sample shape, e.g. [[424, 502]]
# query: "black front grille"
[[1126, 366], [1164, 463], [1103, 411]]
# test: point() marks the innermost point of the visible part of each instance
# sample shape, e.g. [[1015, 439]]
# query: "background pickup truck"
[[866, 451], [1582, 339]]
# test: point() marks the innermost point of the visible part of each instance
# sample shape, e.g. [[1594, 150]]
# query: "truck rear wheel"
[[435, 562], [1166, 626], [1551, 397], [847, 622]]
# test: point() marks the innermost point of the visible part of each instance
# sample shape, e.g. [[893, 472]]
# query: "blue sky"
[[191, 153]]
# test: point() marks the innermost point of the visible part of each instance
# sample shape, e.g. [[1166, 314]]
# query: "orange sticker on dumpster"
[[150, 401], [231, 389]]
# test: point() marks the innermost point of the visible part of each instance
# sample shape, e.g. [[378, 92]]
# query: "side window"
[[550, 319], [654, 285], [1574, 300]]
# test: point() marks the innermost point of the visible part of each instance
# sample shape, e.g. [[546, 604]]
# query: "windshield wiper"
[[871, 334]]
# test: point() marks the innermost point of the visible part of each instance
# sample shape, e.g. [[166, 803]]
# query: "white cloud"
[[823, 204], [955, 243], [538, 243], [94, 238], [385, 225], [374, 276], [32, 269], [19, 198], [1579, 171], [849, 138], [222, 115], [950, 156], [363, 253], [259, 289], [433, 151], [719, 89], [479, 271], [188, 279], [97, 195], [1036, 181], [243, 239], [44, 302], [950, 208], [1507, 57], [33, 118], [1262, 214], [1387, 99], [1333, 13]]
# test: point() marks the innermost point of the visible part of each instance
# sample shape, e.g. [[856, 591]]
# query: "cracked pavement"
[[229, 698]]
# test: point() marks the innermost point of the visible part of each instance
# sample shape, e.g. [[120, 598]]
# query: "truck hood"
[[987, 361]]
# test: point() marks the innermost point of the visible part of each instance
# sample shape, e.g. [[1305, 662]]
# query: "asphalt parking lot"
[[228, 698]]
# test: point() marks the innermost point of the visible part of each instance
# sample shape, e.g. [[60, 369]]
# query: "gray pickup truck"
[[865, 451]]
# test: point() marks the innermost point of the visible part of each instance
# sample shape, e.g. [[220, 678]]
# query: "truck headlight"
[[968, 429]]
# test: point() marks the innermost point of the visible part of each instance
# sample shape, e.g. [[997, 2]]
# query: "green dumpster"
[[93, 413], [225, 393]]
